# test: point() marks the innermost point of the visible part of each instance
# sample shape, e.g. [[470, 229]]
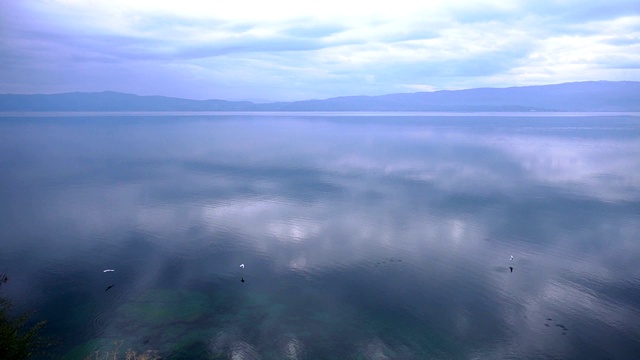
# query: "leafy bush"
[[16, 340]]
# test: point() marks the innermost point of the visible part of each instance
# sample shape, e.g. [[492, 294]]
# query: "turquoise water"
[[363, 237]]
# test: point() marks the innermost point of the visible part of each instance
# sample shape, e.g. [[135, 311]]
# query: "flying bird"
[[511, 258], [242, 266]]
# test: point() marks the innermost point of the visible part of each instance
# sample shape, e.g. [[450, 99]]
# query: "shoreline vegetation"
[[17, 340]]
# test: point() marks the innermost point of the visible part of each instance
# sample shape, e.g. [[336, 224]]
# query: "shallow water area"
[[364, 236]]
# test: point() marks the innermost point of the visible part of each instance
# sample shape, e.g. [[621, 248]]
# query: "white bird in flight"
[[511, 258], [242, 266]]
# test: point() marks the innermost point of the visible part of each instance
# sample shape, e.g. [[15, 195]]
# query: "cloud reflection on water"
[[319, 197]]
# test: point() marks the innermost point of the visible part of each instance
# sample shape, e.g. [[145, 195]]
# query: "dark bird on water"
[[242, 280], [4, 279], [511, 268], [109, 287]]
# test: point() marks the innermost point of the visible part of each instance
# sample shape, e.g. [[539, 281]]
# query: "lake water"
[[363, 237]]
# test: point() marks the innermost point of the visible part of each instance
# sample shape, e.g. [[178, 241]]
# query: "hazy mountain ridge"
[[578, 96], [112, 101]]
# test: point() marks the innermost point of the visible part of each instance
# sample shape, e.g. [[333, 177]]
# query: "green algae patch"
[[163, 307]]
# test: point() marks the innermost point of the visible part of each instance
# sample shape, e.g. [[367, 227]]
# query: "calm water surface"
[[363, 237]]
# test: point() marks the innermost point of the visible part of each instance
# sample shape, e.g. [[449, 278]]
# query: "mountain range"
[[590, 96]]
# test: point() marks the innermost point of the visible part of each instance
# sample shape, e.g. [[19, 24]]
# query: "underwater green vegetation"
[[163, 307], [114, 353], [154, 322], [207, 323]]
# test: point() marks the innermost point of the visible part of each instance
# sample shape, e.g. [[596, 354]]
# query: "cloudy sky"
[[295, 50]]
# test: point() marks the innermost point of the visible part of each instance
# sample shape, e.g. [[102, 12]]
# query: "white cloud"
[[295, 50]]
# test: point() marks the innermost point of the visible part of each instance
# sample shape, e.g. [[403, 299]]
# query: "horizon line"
[[329, 98]]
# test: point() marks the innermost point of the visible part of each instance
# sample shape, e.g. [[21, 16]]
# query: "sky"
[[286, 50]]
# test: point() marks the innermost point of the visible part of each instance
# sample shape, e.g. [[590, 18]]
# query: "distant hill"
[[113, 101], [578, 96]]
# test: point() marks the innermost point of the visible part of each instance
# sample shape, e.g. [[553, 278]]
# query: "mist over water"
[[364, 237]]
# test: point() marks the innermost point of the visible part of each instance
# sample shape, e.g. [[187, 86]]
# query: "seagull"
[[242, 266], [108, 270], [511, 258]]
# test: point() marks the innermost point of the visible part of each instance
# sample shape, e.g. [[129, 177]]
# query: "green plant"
[[16, 340]]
